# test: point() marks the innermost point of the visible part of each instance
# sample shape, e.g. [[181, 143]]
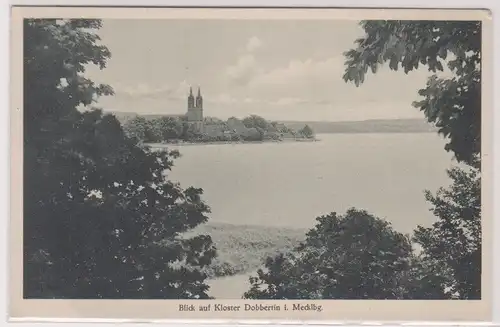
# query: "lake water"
[[291, 183]]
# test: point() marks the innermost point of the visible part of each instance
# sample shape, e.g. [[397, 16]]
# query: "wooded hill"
[[367, 126]]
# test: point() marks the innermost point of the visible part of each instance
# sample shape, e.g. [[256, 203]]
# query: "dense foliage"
[[453, 104], [174, 129], [254, 121], [351, 256], [452, 246], [454, 241], [307, 132], [101, 220], [158, 129], [359, 256]]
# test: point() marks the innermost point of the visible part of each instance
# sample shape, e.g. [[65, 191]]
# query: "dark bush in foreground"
[[351, 256]]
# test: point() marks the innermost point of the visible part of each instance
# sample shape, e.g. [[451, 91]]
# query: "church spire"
[[199, 100], [190, 98]]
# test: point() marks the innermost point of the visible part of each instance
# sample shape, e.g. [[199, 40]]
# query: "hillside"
[[367, 126]]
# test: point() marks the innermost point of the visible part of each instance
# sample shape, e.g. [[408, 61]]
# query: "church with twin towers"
[[195, 110]]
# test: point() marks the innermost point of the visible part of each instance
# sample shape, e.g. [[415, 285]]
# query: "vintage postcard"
[[233, 164]]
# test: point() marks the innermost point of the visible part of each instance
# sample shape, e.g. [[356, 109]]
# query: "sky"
[[281, 70]]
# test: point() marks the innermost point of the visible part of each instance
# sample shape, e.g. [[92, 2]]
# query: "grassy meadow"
[[243, 248]]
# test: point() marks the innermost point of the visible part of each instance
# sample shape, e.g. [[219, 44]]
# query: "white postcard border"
[[16, 175]]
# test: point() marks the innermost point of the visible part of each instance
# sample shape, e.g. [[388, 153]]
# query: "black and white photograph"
[[252, 159]]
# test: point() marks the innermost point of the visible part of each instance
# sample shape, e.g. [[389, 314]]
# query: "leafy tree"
[[169, 127], [453, 104], [426, 279], [149, 131], [351, 256], [154, 133], [253, 134], [136, 128], [212, 121], [454, 241], [255, 121], [188, 131], [307, 131], [452, 247], [101, 220]]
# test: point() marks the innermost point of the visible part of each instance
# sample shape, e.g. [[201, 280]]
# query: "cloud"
[[144, 91], [296, 83], [309, 76], [222, 98], [180, 92], [289, 101], [227, 99], [318, 82], [246, 66], [244, 70], [310, 72], [230, 99], [251, 100], [253, 44]]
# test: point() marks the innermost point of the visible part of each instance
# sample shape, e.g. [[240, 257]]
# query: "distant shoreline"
[[183, 143], [400, 125]]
